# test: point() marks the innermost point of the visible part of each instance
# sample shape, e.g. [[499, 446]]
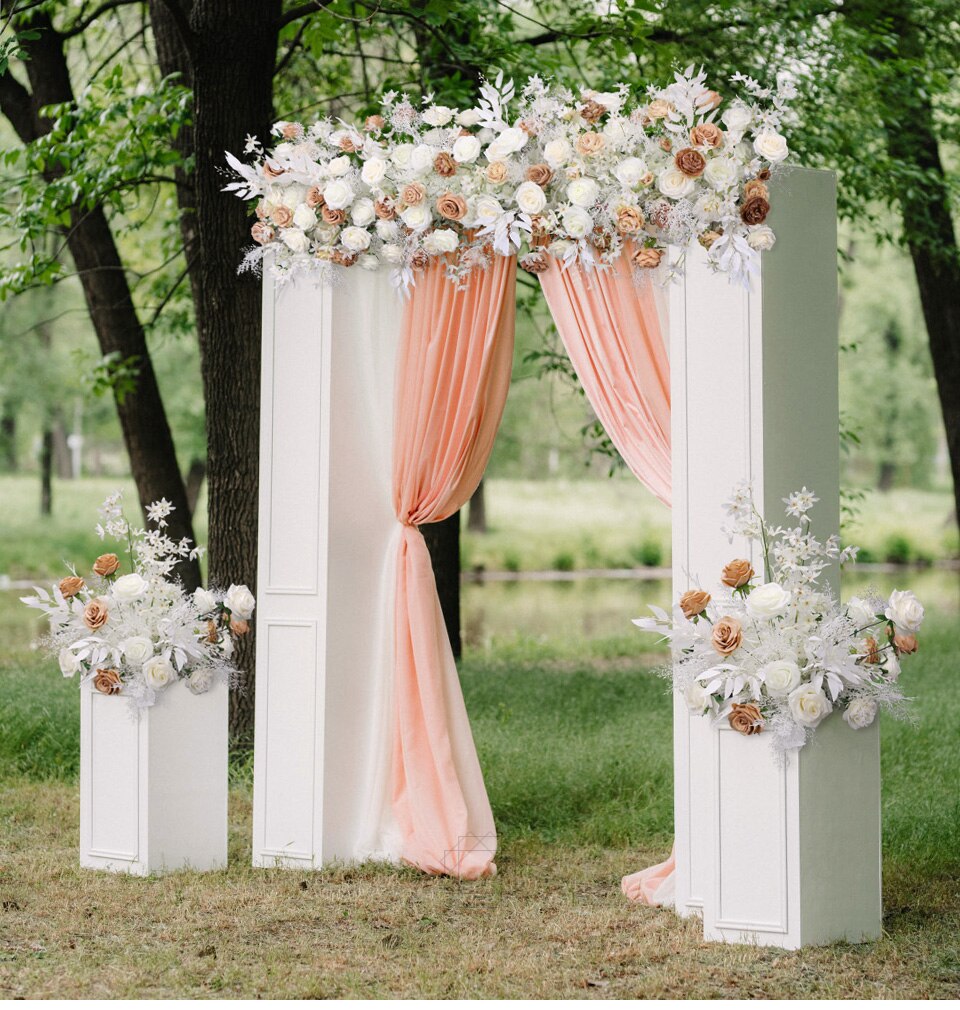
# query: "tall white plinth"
[[153, 784], [779, 854], [327, 549]]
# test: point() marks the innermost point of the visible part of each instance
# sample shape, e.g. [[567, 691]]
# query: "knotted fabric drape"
[[453, 374], [611, 329]]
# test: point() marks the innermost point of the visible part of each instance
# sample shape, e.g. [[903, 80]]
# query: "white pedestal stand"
[[779, 855], [326, 573], [153, 784]]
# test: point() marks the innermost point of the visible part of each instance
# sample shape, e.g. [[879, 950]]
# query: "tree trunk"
[[195, 475], [443, 540], [477, 521], [8, 439], [46, 471]]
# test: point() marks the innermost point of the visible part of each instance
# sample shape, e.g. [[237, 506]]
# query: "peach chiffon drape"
[[453, 374], [611, 329]]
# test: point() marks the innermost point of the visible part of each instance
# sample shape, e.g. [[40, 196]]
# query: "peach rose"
[[95, 615], [666, 144], [647, 259], [871, 651], [372, 123], [239, 627], [708, 238], [452, 207], [292, 130], [262, 233], [756, 187], [591, 111], [213, 634], [106, 564], [70, 586], [420, 259], [314, 197], [591, 143], [746, 719], [534, 263], [658, 109], [540, 173], [272, 171], [902, 643], [727, 635], [107, 681], [496, 172], [691, 162], [694, 602], [412, 194], [754, 210], [629, 220], [261, 211], [709, 100], [738, 573], [349, 143], [334, 217], [344, 259], [384, 209], [706, 135], [444, 165], [281, 216], [646, 179]]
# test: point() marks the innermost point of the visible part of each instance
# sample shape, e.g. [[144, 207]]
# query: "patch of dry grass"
[[552, 924]]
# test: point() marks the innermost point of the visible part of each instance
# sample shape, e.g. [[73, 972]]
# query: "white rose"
[[201, 680], [530, 198], [421, 158], [709, 206], [417, 217], [487, 209], [736, 118], [442, 240], [392, 253], [355, 239], [339, 166], [583, 192], [369, 262], [129, 587], [362, 212], [577, 222], [905, 610], [338, 194], [137, 649], [781, 677], [158, 672], [891, 665], [291, 196], [767, 601], [557, 152], [466, 150], [387, 230], [240, 602], [227, 646], [860, 713], [374, 169], [283, 151], [469, 117], [771, 145], [305, 217], [674, 184], [400, 155], [721, 173], [761, 238], [295, 240], [205, 600], [860, 612], [696, 697], [69, 664], [437, 115], [630, 171], [559, 248], [509, 142], [808, 706]]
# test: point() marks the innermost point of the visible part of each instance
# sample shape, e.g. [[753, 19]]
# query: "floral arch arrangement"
[[543, 174]]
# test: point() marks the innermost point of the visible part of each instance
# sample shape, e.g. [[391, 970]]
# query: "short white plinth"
[[754, 396], [328, 544], [153, 784]]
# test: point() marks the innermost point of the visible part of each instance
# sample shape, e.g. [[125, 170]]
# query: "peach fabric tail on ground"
[[611, 329], [610, 326], [453, 374]]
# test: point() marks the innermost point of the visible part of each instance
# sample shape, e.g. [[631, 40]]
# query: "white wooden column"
[[767, 853], [326, 559]]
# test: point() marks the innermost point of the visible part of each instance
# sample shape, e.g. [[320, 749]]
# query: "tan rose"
[[756, 187], [213, 634], [384, 209], [412, 194], [660, 214], [706, 135], [262, 233], [530, 129], [420, 259], [349, 143], [727, 635], [691, 162], [344, 259], [281, 216], [107, 681], [95, 615], [764, 175], [592, 111], [746, 719], [754, 210], [666, 144], [629, 220], [902, 643], [738, 573], [658, 109], [272, 171], [646, 179], [261, 210], [496, 172], [694, 602], [708, 238], [535, 263], [292, 130], [334, 217], [70, 586], [871, 651], [372, 123], [591, 143], [709, 100], [106, 564], [314, 197], [239, 627], [647, 259], [540, 173], [452, 207], [444, 165]]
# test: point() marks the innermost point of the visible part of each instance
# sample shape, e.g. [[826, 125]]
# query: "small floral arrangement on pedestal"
[[777, 655], [135, 632], [545, 174]]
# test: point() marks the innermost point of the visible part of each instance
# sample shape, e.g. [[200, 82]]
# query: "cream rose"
[[860, 612], [362, 212], [392, 253], [69, 664], [583, 192], [721, 173], [577, 222], [240, 602], [437, 115], [421, 158], [338, 194], [761, 238], [338, 166], [417, 217], [780, 677], [201, 680], [768, 601], [771, 145], [387, 230], [205, 601], [295, 240], [158, 672], [674, 184], [466, 150], [736, 117], [305, 217], [355, 239], [905, 610], [557, 152], [129, 587], [808, 706], [696, 697], [369, 262], [441, 240], [860, 713], [509, 142], [400, 155], [487, 209], [530, 198], [137, 649], [630, 171], [373, 172], [469, 117]]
